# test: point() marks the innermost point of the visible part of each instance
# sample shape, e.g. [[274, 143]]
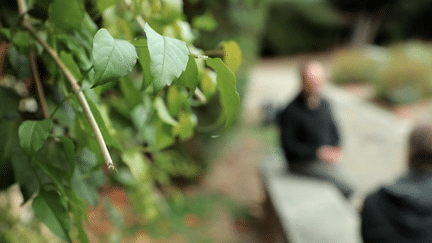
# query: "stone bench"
[[308, 210]]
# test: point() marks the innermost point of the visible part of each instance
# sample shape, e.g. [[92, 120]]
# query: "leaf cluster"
[[122, 75]]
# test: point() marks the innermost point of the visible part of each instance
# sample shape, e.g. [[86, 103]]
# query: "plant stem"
[[75, 88], [214, 53], [22, 8], [39, 89]]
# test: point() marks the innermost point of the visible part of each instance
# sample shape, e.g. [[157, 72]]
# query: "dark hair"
[[420, 148]]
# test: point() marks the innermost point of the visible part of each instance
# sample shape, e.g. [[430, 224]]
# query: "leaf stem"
[[81, 98]]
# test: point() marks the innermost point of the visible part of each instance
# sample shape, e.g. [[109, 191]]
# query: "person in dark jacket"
[[402, 212], [309, 136]]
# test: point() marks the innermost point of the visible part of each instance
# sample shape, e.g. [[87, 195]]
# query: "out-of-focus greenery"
[[301, 26], [14, 229], [357, 65], [400, 73]]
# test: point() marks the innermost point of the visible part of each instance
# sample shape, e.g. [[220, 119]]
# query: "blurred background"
[[379, 58]]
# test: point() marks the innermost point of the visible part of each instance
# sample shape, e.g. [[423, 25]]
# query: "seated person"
[[402, 212], [309, 137]]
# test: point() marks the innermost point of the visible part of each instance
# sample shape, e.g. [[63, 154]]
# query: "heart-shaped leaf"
[[49, 209], [169, 58], [226, 85], [32, 135], [111, 58]]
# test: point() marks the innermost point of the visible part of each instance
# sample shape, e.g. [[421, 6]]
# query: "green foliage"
[[399, 74], [33, 134], [168, 58], [50, 210], [66, 15], [226, 86], [112, 58], [143, 112], [189, 77], [232, 55]]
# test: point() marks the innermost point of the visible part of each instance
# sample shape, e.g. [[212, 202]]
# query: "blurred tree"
[[368, 16], [299, 26]]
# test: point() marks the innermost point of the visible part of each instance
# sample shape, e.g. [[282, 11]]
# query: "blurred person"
[[309, 136], [402, 212]]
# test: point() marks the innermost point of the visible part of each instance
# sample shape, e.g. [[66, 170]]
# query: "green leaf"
[[32, 135], [168, 56], [6, 175], [75, 48], [189, 78], [232, 55], [66, 15], [186, 125], [70, 64], [208, 83], [49, 209], [176, 100], [9, 142], [163, 135], [112, 58], [144, 60], [204, 22], [140, 114], [5, 32], [79, 212], [85, 181], [163, 112], [21, 40], [20, 63], [9, 102], [69, 150], [53, 161], [137, 164], [226, 85], [104, 4], [131, 94], [109, 139], [25, 176]]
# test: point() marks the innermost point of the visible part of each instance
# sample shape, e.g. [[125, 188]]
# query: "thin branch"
[[39, 89], [214, 53], [75, 88], [22, 8]]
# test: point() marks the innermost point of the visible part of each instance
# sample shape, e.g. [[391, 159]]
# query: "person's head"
[[420, 148], [313, 77]]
